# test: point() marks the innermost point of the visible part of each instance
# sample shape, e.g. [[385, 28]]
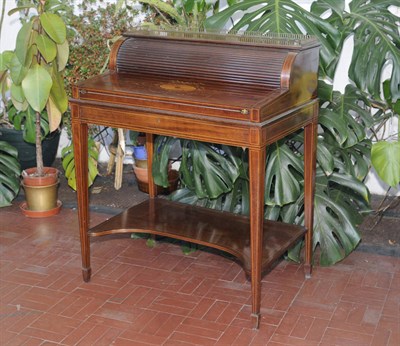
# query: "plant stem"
[[39, 155], [3, 10]]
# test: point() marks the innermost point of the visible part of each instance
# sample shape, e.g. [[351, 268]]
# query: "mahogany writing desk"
[[234, 89]]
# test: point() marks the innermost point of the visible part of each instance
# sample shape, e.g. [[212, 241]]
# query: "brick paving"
[[159, 296]]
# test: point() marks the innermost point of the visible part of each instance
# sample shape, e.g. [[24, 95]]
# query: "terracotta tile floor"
[[159, 296]]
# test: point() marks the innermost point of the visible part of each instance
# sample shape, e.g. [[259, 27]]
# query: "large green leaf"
[[36, 86], [386, 161], [209, 170], [9, 173], [18, 71], [376, 44], [5, 60], [23, 41], [345, 117], [336, 217], [54, 27], [17, 93], [336, 7], [283, 174], [335, 226], [163, 146], [68, 163], [29, 127], [57, 92], [46, 47], [62, 55], [355, 160], [278, 16]]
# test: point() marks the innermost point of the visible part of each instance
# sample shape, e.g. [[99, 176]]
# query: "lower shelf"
[[221, 230]]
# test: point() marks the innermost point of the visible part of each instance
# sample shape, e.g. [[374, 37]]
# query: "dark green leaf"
[[282, 185], [207, 170], [376, 44], [345, 117], [9, 173]]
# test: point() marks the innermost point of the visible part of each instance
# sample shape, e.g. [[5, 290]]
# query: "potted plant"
[[34, 74]]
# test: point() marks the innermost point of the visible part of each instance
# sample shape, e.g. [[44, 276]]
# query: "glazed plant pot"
[[140, 153], [41, 198], [41, 193]]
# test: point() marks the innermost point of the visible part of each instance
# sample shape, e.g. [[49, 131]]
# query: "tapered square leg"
[[310, 149], [80, 140], [257, 177]]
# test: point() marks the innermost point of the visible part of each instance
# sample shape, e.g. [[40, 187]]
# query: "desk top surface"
[[182, 91]]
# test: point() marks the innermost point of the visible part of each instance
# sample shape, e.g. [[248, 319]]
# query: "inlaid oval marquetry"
[[178, 87]]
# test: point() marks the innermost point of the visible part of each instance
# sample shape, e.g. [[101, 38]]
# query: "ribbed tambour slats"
[[204, 61]]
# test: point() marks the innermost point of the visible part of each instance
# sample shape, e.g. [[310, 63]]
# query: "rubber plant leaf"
[[5, 60], [54, 27], [36, 86], [23, 41], [339, 116], [386, 161], [47, 47], [58, 94], [9, 173], [376, 45], [17, 93], [283, 172], [18, 71], [21, 8], [29, 126], [62, 55], [279, 16], [54, 115]]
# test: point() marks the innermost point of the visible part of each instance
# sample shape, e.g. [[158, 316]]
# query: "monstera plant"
[[216, 176]]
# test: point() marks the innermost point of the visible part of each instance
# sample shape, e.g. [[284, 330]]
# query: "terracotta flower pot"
[[30, 178], [143, 181]]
